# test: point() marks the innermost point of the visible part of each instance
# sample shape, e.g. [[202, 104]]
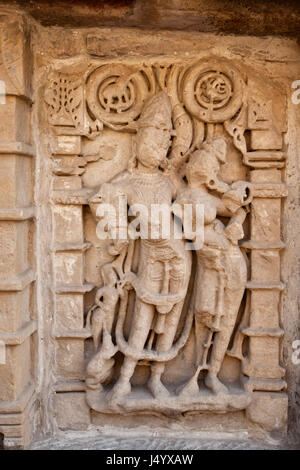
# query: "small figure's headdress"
[[157, 113], [204, 164], [216, 147]]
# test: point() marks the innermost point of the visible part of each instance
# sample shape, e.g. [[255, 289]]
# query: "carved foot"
[[121, 388], [93, 384], [157, 389], [213, 383]]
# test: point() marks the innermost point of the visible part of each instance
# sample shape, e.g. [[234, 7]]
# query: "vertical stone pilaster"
[[68, 259], [17, 269], [263, 365]]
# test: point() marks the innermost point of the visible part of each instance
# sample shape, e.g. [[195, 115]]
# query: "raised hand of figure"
[[240, 194], [126, 283]]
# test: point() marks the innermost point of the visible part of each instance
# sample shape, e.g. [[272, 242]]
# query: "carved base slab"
[[141, 400]]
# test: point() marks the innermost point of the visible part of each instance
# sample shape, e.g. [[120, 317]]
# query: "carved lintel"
[[265, 156], [262, 245], [270, 190], [259, 332], [263, 285], [19, 213], [19, 282], [19, 405], [67, 145], [267, 385], [70, 196], [69, 289], [265, 159], [262, 371], [70, 386], [72, 334], [72, 246], [16, 148], [18, 337]]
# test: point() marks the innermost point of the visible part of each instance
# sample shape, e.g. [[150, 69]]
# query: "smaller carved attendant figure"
[[100, 320], [221, 268]]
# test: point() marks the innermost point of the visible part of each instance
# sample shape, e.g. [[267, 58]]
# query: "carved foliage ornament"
[[64, 97]]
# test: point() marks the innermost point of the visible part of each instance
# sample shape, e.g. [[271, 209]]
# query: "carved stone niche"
[[151, 325]]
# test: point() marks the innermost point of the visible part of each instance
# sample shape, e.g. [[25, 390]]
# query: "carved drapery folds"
[[218, 142]]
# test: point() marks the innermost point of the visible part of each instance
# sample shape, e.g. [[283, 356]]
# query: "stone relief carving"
[[213, 91], [116, 94], [221, 272], [64, 98], [157, 301], [14, 54]]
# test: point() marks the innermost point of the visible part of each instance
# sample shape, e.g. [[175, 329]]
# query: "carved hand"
[[240, 194], [127, 282], [117, 247]]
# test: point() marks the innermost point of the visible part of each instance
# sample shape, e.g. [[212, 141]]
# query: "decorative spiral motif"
[[213, 92], [116, 94]]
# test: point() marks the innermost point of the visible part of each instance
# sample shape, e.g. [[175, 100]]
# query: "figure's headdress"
[[205, 163], [216, 147], [157, 113]]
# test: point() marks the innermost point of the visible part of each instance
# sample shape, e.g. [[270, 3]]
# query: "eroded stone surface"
[[111, 441], [146, 332]]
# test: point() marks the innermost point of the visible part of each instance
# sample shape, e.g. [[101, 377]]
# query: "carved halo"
[[116, 94], [213, 91]]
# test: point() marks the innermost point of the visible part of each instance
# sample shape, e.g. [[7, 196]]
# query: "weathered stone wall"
[[18, 272], [50, 257], [245, 17]]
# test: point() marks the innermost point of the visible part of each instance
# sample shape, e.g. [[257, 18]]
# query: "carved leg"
[[141, 324], [222, 339], [164, 343]]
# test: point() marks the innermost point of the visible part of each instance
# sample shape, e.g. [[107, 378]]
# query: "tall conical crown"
[[157, 113]]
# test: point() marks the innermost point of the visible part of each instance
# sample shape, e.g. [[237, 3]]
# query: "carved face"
[[203, 168], [152, 146]]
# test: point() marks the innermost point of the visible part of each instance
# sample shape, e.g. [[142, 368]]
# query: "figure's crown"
[[157, 112]]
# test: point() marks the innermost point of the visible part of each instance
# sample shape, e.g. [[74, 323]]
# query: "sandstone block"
[[72, 411], [269, 410]]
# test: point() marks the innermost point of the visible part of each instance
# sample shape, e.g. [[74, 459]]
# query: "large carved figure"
[[163, 273]]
